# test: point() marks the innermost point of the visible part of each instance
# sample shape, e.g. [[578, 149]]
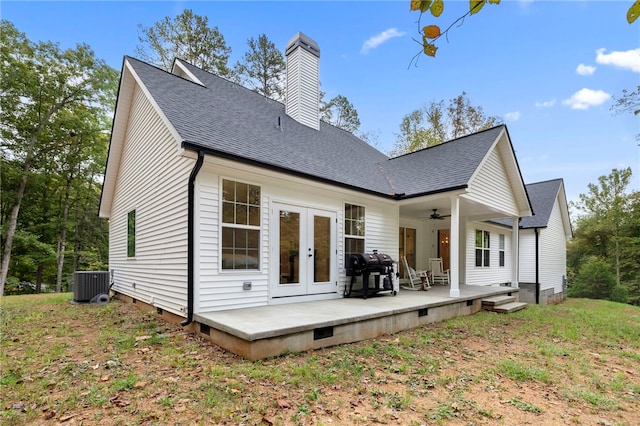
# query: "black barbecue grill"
[[379, 265]]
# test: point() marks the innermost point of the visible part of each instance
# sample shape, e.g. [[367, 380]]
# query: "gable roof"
[[221, 118], [444, 167], [228, 120], [543, 196]]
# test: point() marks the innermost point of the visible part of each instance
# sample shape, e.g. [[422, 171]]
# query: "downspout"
[[537, 266], [191, 238]]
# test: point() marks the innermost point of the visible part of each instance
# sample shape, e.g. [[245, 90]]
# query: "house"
[[219, 198], [543, 241]]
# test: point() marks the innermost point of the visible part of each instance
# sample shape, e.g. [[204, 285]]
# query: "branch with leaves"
[[430, 34]]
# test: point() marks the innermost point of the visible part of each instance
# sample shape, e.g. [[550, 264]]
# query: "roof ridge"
[[546, 181], [450, 140], [162, 70]]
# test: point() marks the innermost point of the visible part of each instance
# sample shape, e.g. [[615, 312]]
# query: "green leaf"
[[633, 12], [437, 7], [476, 5], [424, 5], [494, 1]]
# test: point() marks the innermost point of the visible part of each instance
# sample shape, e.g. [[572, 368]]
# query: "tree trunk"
[[13, 220], [39, 278], [11, 231], [62, 237]]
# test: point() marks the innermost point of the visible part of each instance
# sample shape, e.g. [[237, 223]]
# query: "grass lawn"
[[577, 363]]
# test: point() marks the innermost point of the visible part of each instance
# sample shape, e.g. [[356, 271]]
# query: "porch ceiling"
[[422, 208]]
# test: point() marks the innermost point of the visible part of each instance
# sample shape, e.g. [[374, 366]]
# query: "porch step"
[[502, 304], [507, 308], [498, 300]]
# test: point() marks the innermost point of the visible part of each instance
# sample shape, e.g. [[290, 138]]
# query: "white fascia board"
[[180, 70]]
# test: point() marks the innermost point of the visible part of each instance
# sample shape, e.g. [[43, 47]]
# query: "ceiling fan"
[[435, 215]]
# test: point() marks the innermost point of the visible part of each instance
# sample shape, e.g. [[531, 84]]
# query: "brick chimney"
[[303, 80]]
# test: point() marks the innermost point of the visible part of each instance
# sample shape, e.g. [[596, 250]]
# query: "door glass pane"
[[322, 249], [289, 247], [410, 247]]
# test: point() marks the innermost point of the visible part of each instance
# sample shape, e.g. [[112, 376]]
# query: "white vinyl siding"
[[152, 180], [494, 274], [552, 257], [221, 290], [303, 90], [527, 254], [553, 252], [491, 186]]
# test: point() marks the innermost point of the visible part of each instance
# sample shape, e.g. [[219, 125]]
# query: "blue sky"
[[548, 68]]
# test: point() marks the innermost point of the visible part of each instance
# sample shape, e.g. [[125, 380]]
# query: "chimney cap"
[[304, 41]]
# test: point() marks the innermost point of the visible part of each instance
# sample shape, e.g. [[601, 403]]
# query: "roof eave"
[[191, 146]]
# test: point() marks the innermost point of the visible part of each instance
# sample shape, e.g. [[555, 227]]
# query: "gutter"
[[233, 157], [191, 238]]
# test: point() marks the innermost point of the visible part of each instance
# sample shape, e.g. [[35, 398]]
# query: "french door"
[[304, 255]]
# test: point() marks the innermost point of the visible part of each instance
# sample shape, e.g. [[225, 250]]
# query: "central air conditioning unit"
[[89, 284]]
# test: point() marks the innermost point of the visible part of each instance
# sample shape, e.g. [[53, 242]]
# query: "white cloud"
[[546, 104], [586, 98], [629, 59], [378, 39], [512, 116], [585, 69]]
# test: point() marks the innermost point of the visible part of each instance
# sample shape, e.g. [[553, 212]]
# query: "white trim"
[[189, 75], [454, 241]]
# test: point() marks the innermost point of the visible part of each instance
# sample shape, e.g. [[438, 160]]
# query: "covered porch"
[[266, 331], [444, 226]]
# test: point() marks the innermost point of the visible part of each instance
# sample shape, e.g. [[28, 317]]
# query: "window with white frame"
[[501, 249], [482, 249], [353, 230], [240, 225]]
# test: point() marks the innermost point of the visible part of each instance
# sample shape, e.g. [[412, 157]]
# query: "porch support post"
[[515, 253], [454, 248]]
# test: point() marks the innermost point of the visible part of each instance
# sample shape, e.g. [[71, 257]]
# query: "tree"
[[609, 229], [434, 124], [609, 204], [263, 68], [341, 113], [429, 34], [41, 87], [629, 102], [187, 36], [594, 280]]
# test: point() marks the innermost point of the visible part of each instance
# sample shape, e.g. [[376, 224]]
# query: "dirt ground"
[[184, 380]]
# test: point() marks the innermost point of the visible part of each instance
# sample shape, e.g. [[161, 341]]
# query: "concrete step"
[[498, 300], [507, 308]]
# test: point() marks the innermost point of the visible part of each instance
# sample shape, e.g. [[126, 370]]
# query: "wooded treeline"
[[603, 257]]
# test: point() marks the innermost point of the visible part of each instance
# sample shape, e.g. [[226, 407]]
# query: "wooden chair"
[[438, 275], [417, 279]]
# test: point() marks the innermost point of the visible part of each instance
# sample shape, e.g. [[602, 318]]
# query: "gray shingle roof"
[[226, 119], [542, 196], [441, 167]]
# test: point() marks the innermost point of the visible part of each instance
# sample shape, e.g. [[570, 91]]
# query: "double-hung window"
[[353, 230], [501, 249], [240, 225], [482, 248]]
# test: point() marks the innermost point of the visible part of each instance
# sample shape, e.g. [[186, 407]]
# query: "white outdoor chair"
[[415, 277], [438, 275]]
